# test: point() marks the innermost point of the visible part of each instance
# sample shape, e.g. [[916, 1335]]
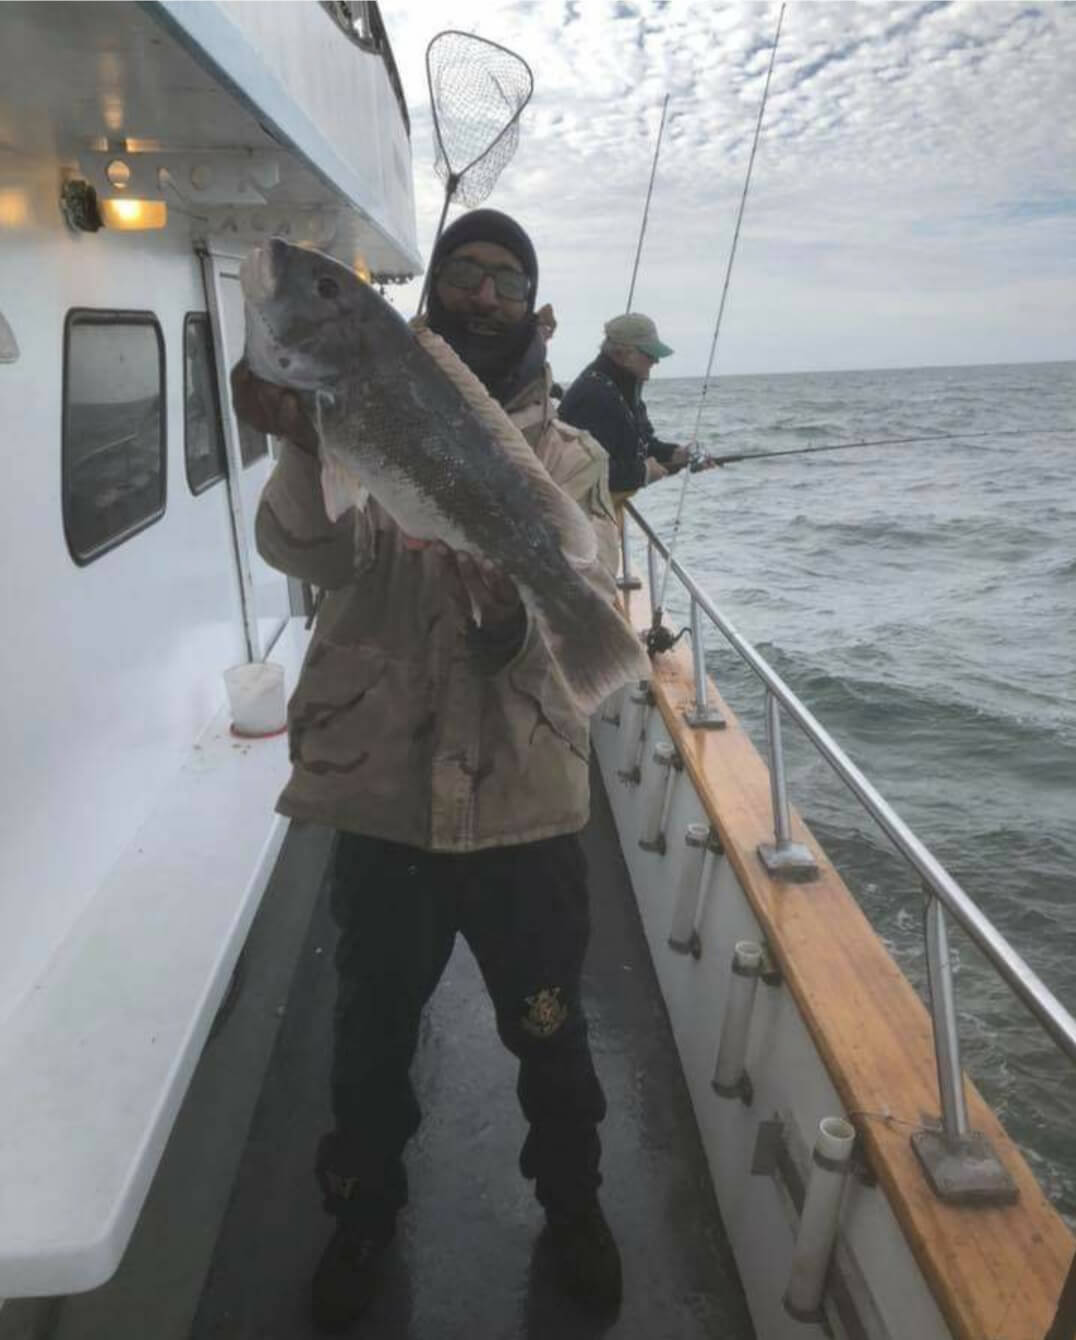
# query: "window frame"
[[112, 316], [188, 318]]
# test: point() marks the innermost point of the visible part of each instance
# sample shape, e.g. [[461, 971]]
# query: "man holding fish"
[[465, 543]]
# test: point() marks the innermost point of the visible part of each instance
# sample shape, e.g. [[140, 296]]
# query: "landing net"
[[478, 90]]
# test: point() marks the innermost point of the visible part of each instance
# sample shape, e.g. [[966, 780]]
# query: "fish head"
[[305, 315]]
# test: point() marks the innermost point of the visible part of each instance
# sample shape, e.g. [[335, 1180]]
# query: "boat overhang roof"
[[195, 88]]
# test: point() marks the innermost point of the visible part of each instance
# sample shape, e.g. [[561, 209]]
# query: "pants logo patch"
[[545, 1012]]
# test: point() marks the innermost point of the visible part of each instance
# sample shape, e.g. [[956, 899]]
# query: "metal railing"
[[943, 893]]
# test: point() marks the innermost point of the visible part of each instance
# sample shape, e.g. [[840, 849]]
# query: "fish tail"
[[593, 645]]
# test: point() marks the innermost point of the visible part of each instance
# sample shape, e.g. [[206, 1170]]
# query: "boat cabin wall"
[[109, 668]]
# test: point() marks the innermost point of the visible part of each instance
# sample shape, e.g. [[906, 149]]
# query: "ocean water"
[[921, 600]]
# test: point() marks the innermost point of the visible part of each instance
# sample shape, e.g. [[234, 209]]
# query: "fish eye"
[[327, 288]]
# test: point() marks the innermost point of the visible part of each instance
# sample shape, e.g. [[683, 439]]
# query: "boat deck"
[[466, 1261]]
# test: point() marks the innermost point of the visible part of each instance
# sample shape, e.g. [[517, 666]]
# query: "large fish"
[[400, 415]]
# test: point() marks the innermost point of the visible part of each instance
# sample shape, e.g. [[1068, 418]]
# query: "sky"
[[912, 202]]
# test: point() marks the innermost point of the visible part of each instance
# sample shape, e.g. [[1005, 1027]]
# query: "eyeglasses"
[[461, 272]]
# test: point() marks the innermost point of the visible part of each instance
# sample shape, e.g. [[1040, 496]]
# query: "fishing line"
[[658, 639], [705, 462], [646, 207]]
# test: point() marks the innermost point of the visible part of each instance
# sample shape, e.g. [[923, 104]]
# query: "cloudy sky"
[[913, 200]]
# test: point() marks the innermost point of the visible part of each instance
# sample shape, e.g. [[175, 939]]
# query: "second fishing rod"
[[659, 638]]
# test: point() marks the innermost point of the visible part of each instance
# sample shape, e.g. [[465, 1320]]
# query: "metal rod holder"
[[702, 715], [660, 799], [960, 1163], [704, 846], [784, 859]]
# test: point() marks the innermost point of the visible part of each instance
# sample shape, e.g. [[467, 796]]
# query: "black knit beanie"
[[489, 225], [514, 356]]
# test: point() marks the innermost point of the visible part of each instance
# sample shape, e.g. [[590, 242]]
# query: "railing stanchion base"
[[965, 1170], [792, 862], [708, 719]]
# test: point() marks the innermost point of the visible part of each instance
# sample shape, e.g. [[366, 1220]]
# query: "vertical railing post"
[[652, 575], [702, 714], [785, 859], [959, 1162], [954, 1108], [626, 582]]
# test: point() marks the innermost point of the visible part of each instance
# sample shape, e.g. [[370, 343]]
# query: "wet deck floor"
[[466, 1263]]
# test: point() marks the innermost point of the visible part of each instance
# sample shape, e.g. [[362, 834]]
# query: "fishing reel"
[[658, 638], [702, 460]]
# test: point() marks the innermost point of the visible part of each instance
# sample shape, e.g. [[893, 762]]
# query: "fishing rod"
[[706, 462], [659, 638], [646, 207]]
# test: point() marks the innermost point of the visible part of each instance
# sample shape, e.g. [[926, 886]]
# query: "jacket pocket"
[[533, 674], [333, 716]]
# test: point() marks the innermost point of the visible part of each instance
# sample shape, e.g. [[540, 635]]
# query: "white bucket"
[[256, 697]]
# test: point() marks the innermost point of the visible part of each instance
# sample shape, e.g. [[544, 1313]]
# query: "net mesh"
[[477, 91]]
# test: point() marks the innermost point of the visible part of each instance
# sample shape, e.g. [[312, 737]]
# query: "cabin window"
[[113, 429], [203, 434]]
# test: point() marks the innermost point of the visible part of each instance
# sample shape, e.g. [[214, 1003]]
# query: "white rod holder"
[[695, 875], [730, 1073], [818, 1221], [610, 713], [633, 733], [659, 798]]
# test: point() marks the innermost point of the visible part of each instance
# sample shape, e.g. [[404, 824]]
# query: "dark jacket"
[[605, 400]]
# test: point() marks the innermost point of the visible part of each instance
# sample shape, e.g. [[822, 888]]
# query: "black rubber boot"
[[348, 1276], [587, 1260]]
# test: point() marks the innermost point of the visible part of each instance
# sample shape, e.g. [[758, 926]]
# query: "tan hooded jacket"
[[399, 727]]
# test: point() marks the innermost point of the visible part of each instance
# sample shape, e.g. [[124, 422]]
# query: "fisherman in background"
[[465, 812], [606, 400]]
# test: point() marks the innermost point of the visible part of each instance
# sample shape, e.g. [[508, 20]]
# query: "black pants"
[[523, 911]]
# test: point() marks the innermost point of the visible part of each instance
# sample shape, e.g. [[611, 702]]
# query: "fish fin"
[[473, 594], [341, 488], [593, 645], [577, 539]]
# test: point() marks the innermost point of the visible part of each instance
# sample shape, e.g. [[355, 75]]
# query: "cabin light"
[[131, 215], [361, 269], [118, 174], [14, 208]]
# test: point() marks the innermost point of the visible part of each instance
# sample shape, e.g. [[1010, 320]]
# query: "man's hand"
[[680, 457], [654, 470], [271, 409], [482, 589], [493, 596]]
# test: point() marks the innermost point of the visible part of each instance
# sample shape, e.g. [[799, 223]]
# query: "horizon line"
[[895, 367]]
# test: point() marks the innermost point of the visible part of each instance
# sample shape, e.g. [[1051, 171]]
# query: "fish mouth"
[[262, 271]]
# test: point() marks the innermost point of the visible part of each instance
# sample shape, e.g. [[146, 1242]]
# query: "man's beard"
[[491, 354]]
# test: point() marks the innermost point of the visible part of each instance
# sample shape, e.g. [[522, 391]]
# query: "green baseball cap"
[[638, 331]]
